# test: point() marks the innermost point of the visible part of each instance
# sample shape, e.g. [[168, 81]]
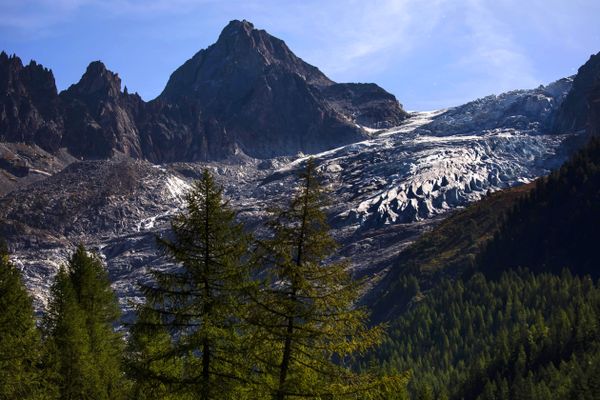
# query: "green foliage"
[[523, 336], [304, 315], [83, 353], [556, 225], [154, 372], [187, 338], [20, 377], [68, 356], [450, 249]]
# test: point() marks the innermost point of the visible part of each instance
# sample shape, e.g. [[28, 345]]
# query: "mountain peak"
[[98, 81], [241, 56], [270, 101], [96, 67], [236, 27]]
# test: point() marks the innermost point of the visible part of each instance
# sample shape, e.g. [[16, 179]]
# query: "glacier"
[[385, 191]]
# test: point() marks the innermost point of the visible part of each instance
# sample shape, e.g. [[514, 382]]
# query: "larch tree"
[[99, 304], [83, 349], [305, 312], [198, 303], [67, 356]]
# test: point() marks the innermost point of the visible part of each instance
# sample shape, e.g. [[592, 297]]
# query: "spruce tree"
[[19, 338], [305, 312], [198, 303]]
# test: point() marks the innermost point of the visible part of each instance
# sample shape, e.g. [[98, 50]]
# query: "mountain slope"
[[573, 114], [513, 310], [247, 93], [544, 226], [250, 82], [387, 190], [556, 225]]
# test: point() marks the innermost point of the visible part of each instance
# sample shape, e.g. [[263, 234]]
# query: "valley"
[[467, 232]]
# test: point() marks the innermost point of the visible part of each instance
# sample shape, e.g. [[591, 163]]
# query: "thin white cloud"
[[34, 15], [494, 58], [350, 37]]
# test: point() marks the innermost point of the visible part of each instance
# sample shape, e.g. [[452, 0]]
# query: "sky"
[[429, 53]]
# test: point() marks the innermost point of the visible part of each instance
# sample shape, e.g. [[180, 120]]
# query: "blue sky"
[[429, 53]]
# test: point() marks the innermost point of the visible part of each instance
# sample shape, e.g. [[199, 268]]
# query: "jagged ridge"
[[248, 92]]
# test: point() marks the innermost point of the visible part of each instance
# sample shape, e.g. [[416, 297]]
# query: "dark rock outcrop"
[[593, 127], [99, 118], [269, 101], [246, 93], [573, 113], [30, 109], [366, 103]]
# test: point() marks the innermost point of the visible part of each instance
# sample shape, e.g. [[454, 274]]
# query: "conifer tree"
[[305, 311], [198, 303], [83, 350], [19, 339], [68, 358], [149, 363], [99, 304]]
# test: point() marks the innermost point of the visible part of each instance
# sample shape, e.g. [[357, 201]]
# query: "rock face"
[[272, 103], [30, 109], [99, 118], [593, 126], [573, 113], [246, 93]]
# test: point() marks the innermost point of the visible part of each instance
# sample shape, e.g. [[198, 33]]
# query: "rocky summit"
[[271, 103], [246, 94]]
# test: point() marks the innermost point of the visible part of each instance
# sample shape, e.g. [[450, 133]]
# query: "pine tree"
[[305, 312], [19, 339], [82, 349], [198, 303]]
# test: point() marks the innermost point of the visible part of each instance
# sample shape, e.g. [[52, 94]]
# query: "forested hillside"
[[523, 336], [556, 225], [500, 301]]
